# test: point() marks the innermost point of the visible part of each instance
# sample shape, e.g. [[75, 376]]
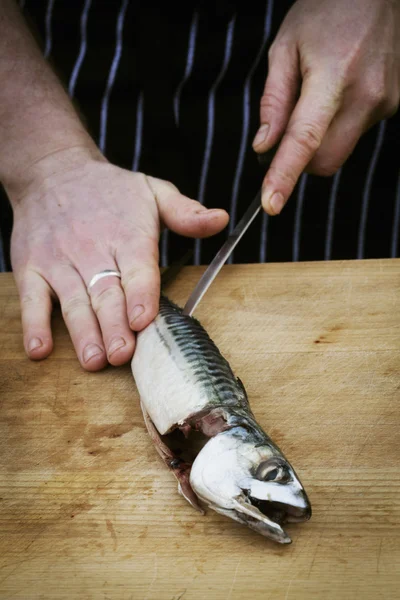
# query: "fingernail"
[[116, 345], [261, 135], [202, 210], [34, 344], [275, 202], [90, 351], [137, 311]]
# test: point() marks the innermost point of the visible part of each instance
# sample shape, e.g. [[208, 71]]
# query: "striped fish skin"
[[187, 386], [179, 371], [210, 370]]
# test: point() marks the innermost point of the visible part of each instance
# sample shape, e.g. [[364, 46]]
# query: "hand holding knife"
[[233, 239]]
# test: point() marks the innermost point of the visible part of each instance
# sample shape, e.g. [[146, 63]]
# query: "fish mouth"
[[282, 513], [266, 517]]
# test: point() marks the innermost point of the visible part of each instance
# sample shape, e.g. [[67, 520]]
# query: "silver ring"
[[98, 276]]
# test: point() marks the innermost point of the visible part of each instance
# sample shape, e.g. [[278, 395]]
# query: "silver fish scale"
[[209, 367]]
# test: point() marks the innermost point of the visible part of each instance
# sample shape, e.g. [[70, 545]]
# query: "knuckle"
[[138, 273], [169, 184], [307, 137], [376, 94], [72, 306], [271, 101], [281, 47], [131, 275], [286, 177], [160, 186], [272, 51], [33, 299], [108, 296]]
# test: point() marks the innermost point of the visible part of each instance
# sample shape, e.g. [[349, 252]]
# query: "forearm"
[[37, 119]]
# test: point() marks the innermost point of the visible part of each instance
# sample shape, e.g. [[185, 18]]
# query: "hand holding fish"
[[78, 221], [343, 58], [76, 215]]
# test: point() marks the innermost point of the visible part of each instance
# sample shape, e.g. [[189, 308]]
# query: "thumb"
[[185, 216], [279, 96]]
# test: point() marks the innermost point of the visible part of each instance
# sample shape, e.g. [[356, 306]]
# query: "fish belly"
[[165, 380]]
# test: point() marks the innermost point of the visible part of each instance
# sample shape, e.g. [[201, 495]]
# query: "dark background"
[[155, 38]]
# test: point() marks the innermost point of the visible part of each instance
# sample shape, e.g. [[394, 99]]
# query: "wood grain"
[[87, 510]]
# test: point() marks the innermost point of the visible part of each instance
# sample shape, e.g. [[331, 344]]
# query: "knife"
[[233, 239], [219, 260]]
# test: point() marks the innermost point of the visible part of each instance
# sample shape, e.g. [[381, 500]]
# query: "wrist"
[[48, 163]]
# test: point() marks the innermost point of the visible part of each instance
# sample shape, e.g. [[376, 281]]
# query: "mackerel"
[[199, 418]]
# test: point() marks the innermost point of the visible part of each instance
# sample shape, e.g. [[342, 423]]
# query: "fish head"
[[251, 482]]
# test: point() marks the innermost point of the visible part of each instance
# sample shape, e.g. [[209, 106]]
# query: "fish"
[[198, 416]]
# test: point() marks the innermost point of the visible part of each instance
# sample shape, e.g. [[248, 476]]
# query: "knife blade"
[[264, 160], [220, 258]]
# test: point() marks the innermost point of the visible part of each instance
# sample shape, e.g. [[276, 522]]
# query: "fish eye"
[[270, 471], [272, 475]]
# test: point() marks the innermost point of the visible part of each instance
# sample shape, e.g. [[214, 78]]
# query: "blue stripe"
[[367, 190], [189, 65], [264, 238], [331, 216], [82, 49], [49, 39], [176, 103], [210, 127], [245, 131], [111, 76], [299, 214], [396, 223], [138, 133]]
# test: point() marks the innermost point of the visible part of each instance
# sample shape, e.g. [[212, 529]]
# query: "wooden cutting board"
[[87, 510]]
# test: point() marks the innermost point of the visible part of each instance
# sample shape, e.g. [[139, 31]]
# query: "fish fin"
[[179, 468], [186, 490], [241, 385], [162, 449]]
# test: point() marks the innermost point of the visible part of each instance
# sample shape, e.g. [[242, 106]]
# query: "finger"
[[138, 263], [316, 108], [340, 140], [80, 319], [36, 307], [109, 304], [279, 96], [185, 216]]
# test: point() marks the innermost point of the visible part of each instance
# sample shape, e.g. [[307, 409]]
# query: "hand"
[[344, 59], [80, 219]]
